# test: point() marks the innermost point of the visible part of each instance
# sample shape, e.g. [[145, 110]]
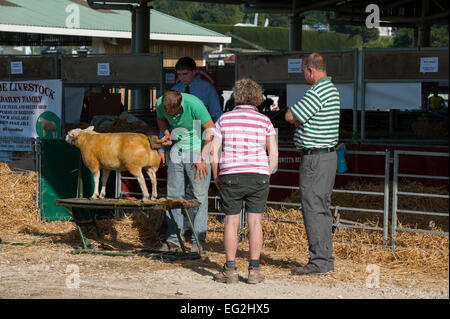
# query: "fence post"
[[118, 190], [386, 197], [37, 166], [394, 199]]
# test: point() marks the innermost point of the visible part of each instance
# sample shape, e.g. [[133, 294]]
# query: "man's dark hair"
[[316, 61], [185, 63]]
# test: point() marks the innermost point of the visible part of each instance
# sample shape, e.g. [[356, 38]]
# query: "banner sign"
[[30, 109]]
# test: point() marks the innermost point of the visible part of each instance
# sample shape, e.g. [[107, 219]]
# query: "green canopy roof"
[[60, 17]]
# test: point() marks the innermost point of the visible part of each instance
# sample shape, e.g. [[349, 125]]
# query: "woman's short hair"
[[247, 92], [171, 102]]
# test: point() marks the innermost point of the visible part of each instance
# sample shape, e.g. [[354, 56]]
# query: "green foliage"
[[197, 12], [381, 42], [275, 38], [438, 37], [404, 38], [313, 40], [215, 13], [313, 17], [371, 34], [222, 17], [365, 33]]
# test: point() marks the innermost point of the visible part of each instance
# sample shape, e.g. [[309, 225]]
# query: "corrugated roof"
[[45, 16]]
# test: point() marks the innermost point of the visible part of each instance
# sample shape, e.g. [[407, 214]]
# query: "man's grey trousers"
[[317, 175]]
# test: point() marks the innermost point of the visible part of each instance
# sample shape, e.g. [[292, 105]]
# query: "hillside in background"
[[277, 38], [229, 14], [223, 17]]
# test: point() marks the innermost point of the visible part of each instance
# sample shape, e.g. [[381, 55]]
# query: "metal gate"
[[396, 193]]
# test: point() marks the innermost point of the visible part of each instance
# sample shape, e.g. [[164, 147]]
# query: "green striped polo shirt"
[[318, 112]]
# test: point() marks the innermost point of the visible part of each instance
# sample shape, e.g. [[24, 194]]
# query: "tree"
[[366, 33], [313, 17], [196, 12], [439, 36], [371, 34], [404, 38]]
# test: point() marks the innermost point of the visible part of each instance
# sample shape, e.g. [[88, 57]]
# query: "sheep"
[[47, 126], [120, 152]]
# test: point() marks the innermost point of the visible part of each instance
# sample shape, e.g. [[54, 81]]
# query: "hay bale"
[[17, 196]]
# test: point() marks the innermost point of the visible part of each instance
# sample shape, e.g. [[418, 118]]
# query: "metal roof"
[[55, 17]]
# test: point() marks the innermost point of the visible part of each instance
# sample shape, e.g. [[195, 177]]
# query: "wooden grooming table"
[[146, 207]]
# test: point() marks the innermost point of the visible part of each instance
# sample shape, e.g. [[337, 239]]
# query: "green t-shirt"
[[188, 125]]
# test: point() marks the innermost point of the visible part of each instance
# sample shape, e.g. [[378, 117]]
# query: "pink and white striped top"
[[243, 132]]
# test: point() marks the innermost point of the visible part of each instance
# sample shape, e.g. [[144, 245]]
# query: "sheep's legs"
[[141, 180], [104, 181], [96, 182], [152, 174]]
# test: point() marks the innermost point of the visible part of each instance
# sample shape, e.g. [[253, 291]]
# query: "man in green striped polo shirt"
[[316, 118]]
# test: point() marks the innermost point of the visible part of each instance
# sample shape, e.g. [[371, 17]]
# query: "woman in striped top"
[[244, 155]]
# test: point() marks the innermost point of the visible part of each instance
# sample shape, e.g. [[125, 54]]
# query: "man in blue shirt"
[[186, 71]]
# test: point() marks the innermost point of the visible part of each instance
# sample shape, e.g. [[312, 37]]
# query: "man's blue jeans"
[[180, 174]]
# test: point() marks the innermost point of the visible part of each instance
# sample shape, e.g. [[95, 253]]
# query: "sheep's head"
[[72, 135]]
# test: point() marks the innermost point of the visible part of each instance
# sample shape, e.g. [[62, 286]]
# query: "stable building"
[[75, 23]]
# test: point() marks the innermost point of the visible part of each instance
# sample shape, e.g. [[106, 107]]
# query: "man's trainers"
[[168, 246], [196, 249], [227, 275], [254, 275]]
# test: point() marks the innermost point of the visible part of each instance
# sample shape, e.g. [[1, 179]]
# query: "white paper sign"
[[295, 65], [30, 109], [16, 67], [429, 64], [103, 69]]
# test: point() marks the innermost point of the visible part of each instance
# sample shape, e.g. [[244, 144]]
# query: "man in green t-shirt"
[[187, 158]]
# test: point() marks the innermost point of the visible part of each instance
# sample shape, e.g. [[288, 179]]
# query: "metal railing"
[[338, 221], [396, 193], [341, 223]]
